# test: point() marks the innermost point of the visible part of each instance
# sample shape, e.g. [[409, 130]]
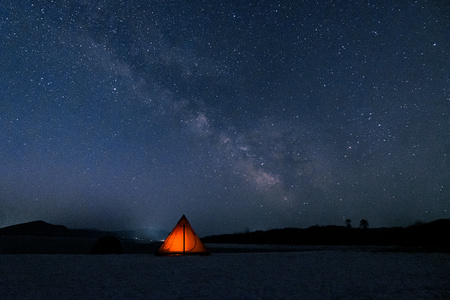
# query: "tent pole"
[[184, 238]]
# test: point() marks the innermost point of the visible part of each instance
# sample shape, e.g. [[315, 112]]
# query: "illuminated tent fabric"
[[182, 240]]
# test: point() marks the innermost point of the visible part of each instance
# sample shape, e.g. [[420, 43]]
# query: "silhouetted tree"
[[348, 223], [363, 224]]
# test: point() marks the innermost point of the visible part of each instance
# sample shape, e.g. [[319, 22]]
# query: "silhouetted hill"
[[36, 228], [433, 234], [44, 229], [39, 237], [41, 228]]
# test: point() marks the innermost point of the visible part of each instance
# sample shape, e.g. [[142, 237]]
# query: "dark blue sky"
[[256, 114]]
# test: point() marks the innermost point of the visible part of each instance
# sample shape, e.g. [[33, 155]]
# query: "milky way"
[[243, 116]]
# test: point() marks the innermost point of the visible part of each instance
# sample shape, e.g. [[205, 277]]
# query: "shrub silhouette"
[[348, 223], [107, 245]]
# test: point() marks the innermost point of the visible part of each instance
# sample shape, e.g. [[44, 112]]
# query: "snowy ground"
[[323, 274]]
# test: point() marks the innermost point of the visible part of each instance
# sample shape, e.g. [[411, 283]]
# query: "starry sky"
[[243, 115]]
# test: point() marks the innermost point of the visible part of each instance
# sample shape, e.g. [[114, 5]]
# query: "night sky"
[[243, 115]]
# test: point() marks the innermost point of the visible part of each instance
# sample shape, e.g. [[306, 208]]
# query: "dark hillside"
[[44, 229], [36, 228], [433, 234]]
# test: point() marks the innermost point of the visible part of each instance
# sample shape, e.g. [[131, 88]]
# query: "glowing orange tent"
[[182, 240]]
